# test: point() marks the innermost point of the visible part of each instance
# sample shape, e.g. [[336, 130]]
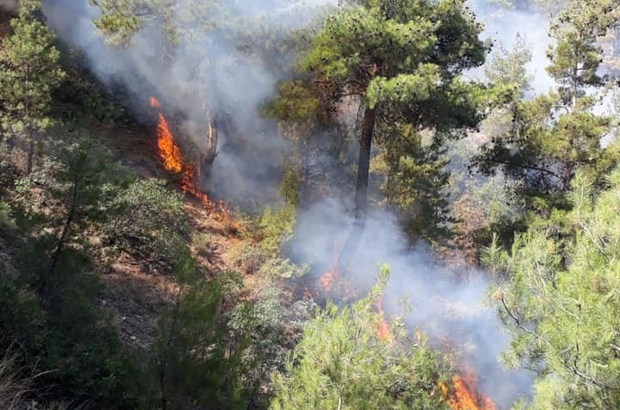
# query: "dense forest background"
[[359, 204]]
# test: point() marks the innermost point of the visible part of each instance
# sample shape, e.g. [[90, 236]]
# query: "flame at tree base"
[[166, 147], [331, 282], [173, 162], [327, 279]]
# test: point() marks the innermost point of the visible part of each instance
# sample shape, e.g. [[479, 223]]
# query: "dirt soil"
[[138, 293]]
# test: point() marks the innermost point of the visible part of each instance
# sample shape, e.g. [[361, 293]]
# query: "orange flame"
[[154, 103], [384, 330], [168, 150], [328, 278], [465, 395], [173, 162]]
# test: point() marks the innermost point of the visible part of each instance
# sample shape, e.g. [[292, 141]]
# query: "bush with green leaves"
[[271, 329], [342, 362], [67, 339], [276, 227], [215, 350], [50, 308], [145, 218], [558, 294], [276, 224], [195, 360], [29, 73]]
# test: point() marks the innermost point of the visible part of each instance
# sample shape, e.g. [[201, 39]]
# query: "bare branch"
[[516, 320], [530, 167]]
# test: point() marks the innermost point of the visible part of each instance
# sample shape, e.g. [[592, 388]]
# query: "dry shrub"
[[14, 385]]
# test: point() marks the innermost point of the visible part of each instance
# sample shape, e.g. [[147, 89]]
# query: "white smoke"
[[441, 303], [503, 25], [10, 5], [230, 73], [236, 81]]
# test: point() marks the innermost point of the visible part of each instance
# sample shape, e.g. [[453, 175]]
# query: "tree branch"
[[516, 320], [530, 167], [67, 225]]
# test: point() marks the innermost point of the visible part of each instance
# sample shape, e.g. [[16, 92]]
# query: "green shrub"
[[145, 218], [276, 227], [66, 336]]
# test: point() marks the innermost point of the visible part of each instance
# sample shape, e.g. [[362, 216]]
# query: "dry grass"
[[14, 385], [136, 292], [137, 296]]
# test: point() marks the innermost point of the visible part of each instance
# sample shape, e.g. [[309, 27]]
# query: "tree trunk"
[[65, 229], [30, 162], [361, 189], [214, 120], [211, 136], [208, 157], [363, 165]]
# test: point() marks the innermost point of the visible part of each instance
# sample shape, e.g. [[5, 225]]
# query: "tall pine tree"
[[402, 60], [560, 300], [29, 73], [553, 135]]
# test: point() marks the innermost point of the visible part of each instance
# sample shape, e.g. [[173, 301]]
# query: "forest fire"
[[326, 281], [172, 160], [461, 393], [464, 395], [168, 150], [384, 329], [330, 280]]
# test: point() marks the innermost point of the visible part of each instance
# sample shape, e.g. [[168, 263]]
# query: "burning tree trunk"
[[210, 150], [173, 161]]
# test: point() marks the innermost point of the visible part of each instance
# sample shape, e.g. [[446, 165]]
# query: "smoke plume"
[[8, 5], [231, 75]]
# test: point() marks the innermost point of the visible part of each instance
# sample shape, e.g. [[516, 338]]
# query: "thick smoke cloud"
[[444, 307], [213, 70]]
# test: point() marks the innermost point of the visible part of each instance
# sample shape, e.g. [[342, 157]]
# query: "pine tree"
[[402, 60], [575, 57], [344, 362], [29, 73], [120, 21], [552, 135], [481, 206], [560, 300], [509, 66], [414, 182], [56, 260]]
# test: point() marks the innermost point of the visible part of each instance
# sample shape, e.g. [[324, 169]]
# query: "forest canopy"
[[287, 205]]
